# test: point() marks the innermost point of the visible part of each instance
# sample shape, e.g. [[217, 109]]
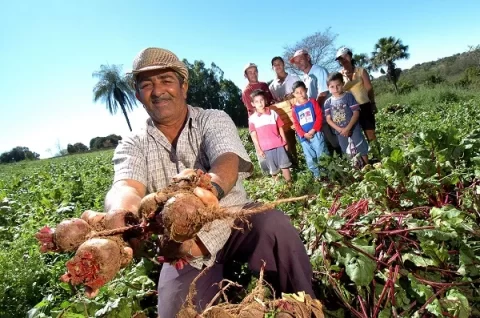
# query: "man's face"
[[278, 67], [252, 74], [162, 95], [302, 62], [259, 103]]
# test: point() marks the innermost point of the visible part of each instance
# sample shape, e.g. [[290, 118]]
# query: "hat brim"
[[183, 71], [245, 70]]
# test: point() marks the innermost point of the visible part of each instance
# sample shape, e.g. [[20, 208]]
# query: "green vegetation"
[[460, 71], [363, 244]]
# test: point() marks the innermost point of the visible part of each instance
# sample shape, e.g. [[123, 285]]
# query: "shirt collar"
[[278, 80], [267, 112], [191, 119]]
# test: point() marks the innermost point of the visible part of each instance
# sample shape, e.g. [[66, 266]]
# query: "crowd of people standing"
[[330, 113]]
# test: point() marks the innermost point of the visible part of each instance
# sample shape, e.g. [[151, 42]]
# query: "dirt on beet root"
[[254, 305]]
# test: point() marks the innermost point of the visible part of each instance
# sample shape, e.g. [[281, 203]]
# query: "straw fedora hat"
[[153, 58]]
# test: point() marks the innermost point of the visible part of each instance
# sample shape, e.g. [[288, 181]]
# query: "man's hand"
[[286, 147], [178, 254], [261, 153]]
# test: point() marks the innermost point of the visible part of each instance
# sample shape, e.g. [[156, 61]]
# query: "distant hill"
[[451, 69]]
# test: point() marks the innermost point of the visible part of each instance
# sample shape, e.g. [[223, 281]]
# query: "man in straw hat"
[[178, 136]]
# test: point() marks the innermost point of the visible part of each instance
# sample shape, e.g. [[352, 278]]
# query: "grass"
[[439, 94]]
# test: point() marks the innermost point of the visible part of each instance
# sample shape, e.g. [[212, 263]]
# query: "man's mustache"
[[160, 99]]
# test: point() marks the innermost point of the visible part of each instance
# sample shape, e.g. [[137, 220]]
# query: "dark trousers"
[[291, 137], [270, 238]]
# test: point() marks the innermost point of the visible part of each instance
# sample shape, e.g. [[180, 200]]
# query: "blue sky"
[[49, 49]]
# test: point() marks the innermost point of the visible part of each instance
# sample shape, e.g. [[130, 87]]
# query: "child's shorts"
[[358, 140], [277, 159]]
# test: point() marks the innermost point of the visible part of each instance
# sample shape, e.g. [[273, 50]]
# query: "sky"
[[49, 49]]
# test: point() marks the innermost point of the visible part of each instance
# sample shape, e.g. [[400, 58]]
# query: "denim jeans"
[[313, 150]]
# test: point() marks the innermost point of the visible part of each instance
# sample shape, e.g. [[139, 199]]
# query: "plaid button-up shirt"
[[149, 158]]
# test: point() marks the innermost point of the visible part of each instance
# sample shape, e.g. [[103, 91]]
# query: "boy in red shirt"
[[307, 118], [268, 136]]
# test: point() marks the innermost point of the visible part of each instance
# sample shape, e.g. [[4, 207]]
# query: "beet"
[[182, 217], [96, 262], [69, 234], [66, 237], [93, 218]]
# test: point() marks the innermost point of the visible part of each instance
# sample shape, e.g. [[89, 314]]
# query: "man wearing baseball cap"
[[250, 71], [315, 79], [176, 139]]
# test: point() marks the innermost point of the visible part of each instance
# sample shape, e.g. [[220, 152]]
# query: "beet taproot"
[[95, 263], [188, 312], [66, 237], [93, 218], [253, 310], [218, 312], [182, 216], [115, 219]]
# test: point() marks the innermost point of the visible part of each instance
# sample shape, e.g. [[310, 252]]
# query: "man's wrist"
[[219, 191]]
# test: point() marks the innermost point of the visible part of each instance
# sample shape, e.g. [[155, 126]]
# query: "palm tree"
[[363, 61], [387, 51], [114, 90]]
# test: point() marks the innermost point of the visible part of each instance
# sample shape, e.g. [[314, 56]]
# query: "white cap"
[[248, 65], [298, 53], [341, 51]]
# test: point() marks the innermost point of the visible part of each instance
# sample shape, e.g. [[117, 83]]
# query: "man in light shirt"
[[315, 79], [281, 86]]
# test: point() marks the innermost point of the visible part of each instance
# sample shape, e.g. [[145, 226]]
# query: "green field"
[[397, 239]]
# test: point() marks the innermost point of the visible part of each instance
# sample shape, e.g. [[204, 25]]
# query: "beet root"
[[151, 205], [182, 216], [115, 219], [93, 218], [69, 234], [187, 312], [252, 310], [66, 237], [95, 263], [217, 312], [46, 239]]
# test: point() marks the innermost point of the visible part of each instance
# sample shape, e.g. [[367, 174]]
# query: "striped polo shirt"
[[266, 125]]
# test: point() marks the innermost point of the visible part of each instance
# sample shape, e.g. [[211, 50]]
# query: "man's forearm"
[[224, 171]]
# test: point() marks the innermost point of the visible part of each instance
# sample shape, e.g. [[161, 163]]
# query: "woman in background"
[[357, 81]]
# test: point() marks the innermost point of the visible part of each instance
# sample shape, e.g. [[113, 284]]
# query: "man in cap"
[[178, 136], [250, 71], [315, 78]]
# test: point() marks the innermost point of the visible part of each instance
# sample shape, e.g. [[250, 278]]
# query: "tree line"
[[210, 90], [98, 143]]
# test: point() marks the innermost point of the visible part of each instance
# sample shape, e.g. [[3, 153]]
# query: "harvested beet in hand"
[[66, 237], [96, 262]]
